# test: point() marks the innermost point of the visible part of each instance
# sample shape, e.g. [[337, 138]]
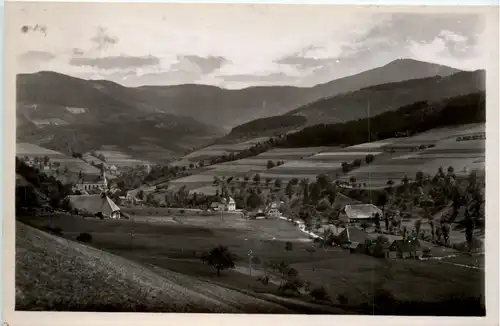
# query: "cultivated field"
[[118, 158], [74, 165], [463, 156], [26, 149]]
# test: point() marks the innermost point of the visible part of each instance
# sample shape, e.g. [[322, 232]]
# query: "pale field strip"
[[193, 178], [375, 144], [430, 156], [304, 164], [287, 177], [26, 149], [247, 161], [233, 168]]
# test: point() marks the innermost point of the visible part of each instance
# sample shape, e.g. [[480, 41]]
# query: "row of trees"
[[410, 119]]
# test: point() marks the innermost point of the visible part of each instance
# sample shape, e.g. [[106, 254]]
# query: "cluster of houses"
[[358, 241]]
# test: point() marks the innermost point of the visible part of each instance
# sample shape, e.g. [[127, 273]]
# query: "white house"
[[231, 205]]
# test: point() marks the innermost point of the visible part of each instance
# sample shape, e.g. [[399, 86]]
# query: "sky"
[[234, 45]]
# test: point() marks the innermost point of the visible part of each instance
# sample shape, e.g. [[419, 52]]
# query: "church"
[[88, 184]]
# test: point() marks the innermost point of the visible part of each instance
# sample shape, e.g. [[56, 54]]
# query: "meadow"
[[176, 245]]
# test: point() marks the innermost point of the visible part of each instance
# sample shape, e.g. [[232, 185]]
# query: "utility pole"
[[250, 261]]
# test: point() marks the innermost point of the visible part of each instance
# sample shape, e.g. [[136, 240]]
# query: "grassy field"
[[176, 243], [73, 277]]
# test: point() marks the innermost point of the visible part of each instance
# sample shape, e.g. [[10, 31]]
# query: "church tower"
[[104, 180]]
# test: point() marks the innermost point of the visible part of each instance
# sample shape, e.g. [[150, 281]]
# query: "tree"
[[357, 162], [254, 201], [256, 178], [345, 167], [352, 180], [288, 246], [277, 183], [377, 221], [289, 190], [445, 228], [140, 194], [364, 226], [369, 158], [418, 225], [220, 258], [419, 177], [315, 193], [319, 294], [270, 164]]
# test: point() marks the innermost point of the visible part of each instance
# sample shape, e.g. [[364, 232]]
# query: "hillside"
[[73, 277], [90, 114], [369, 101]]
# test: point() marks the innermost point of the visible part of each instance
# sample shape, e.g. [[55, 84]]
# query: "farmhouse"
[[228, 205], [405, 248], [96, 204], [272, 210], [356, 239], [361, 212]]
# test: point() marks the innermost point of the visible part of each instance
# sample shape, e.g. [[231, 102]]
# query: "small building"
[[231, 205], [405, 248], [95, 204], [272, 210], [356, 238], [362, 212], [356, 247], [217, 206]]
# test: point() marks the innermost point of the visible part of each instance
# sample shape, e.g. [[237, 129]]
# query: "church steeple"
[[104, 180]]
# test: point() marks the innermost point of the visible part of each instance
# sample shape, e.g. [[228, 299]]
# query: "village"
[[345, 222]]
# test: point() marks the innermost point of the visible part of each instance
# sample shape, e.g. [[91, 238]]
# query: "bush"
[[342, 299], [84, 237], [320, 294], [54, 230]]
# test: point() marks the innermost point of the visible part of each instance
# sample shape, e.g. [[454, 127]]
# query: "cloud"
[[122, 62], [102, 39], [205, 65], [273, 77], [78, 52], [37, 56], [303, 62]]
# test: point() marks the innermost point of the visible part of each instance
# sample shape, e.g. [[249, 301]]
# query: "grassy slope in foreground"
[[53, 273]]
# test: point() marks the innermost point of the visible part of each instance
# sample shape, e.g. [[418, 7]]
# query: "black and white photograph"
[[285, 159]]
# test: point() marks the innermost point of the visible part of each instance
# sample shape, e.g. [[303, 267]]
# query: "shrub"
[[342, 299], [320, 294], [181, 211], [84, 237], [54, 230]]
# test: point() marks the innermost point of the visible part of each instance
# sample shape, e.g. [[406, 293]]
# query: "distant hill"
[[368, 101], [74, 115], [230, 108]]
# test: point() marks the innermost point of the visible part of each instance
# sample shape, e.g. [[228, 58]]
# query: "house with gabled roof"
[[361, 212], [95, 204], [272, 210], [405, 248]]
